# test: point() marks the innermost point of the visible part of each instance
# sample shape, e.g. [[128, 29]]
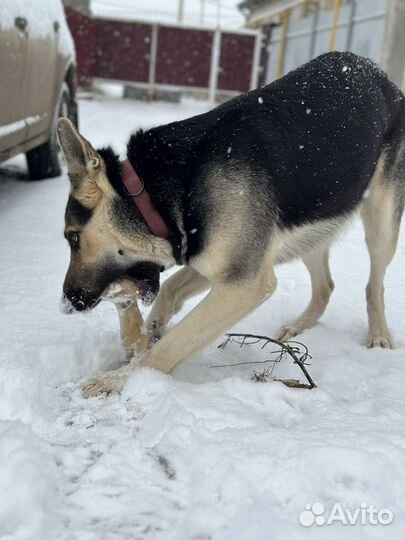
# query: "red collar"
[[136, 189]]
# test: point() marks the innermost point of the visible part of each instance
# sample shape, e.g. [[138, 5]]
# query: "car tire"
[[43, 161]]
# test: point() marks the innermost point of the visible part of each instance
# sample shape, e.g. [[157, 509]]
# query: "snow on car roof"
[[41, 15]]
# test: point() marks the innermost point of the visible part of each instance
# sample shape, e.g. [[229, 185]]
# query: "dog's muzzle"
[[66, 306], [77, 301]]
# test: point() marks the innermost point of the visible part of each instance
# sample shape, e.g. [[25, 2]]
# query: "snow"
[[7, 129], [20, 124], [206, 453], [41, 15]]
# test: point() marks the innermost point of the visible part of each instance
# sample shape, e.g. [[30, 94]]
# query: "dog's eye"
[[74, 240]]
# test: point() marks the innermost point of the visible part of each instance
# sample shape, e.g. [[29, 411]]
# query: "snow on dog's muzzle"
[[65, 305], [81, 300]]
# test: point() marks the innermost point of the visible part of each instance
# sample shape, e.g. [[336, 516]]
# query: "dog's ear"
[[81, 158]]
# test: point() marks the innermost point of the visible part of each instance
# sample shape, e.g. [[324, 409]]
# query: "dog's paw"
[[109, 383], [385, 342], [154, 330], [287, 332]]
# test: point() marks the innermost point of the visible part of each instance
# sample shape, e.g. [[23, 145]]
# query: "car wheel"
[[43, 161]]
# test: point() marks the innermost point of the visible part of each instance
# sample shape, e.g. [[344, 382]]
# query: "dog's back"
[[317, 134]]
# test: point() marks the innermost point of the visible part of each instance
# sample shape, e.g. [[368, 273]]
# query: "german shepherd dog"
[[264, 178]]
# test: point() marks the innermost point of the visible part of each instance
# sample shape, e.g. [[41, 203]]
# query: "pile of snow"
[[206, 453]]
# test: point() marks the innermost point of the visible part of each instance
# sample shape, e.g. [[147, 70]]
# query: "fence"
[[159, 56], [360, 29]]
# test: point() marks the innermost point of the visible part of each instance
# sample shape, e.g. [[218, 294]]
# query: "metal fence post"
[[152, 61], [336, 13], [350, 23], [393, 51], [254, 77], [214, 70], [314, 30]]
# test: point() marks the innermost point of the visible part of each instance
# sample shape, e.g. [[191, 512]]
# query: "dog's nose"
[[66, 305]]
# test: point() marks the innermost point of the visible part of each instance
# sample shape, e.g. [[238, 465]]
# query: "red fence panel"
[[183, 56], [83, 32], [237, 51], [122, 50]]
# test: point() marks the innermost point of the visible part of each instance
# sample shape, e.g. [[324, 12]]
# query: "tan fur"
[[382, 230], [317, 263], [299, 241], [184, 284], [124, 296]]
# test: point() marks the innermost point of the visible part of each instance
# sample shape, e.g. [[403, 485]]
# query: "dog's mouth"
[[146, 291], [145, 277]]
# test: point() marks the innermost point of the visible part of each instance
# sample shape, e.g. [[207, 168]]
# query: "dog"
[[269, 176]]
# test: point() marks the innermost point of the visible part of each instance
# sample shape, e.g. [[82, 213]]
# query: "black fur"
[[306, 145], [126, 214], [76, 213], [113, 168]]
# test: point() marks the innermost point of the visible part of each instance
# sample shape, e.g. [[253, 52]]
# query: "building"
[[294, 31]]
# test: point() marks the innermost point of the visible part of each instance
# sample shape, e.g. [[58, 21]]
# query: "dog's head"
[[107, 235]]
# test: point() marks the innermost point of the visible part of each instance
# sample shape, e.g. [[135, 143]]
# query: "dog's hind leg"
[[381, 219], [317, 263], [178, 288]]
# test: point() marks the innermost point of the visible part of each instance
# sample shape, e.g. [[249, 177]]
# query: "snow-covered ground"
[[207, 453]]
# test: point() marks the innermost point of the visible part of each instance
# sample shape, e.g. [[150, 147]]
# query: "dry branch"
[[294, 349]]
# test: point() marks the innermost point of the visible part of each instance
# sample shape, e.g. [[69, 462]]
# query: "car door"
[[41, 61], [13, 48]]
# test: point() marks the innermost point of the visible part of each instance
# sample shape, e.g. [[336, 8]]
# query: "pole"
[[218, 13], [336, 12], [352, 14], [314, 32], [254, 77], [152, 61], [202, 11], [215, 58], [393, 49], [285, 19], [180, 12]]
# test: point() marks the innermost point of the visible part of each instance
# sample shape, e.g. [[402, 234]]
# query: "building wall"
[[360, 31]]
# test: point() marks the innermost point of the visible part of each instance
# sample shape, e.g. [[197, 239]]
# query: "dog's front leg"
[[223, 307], [184, 284], [124, 295]]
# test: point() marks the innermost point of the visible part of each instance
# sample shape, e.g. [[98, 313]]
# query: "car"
[[37, 82]]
